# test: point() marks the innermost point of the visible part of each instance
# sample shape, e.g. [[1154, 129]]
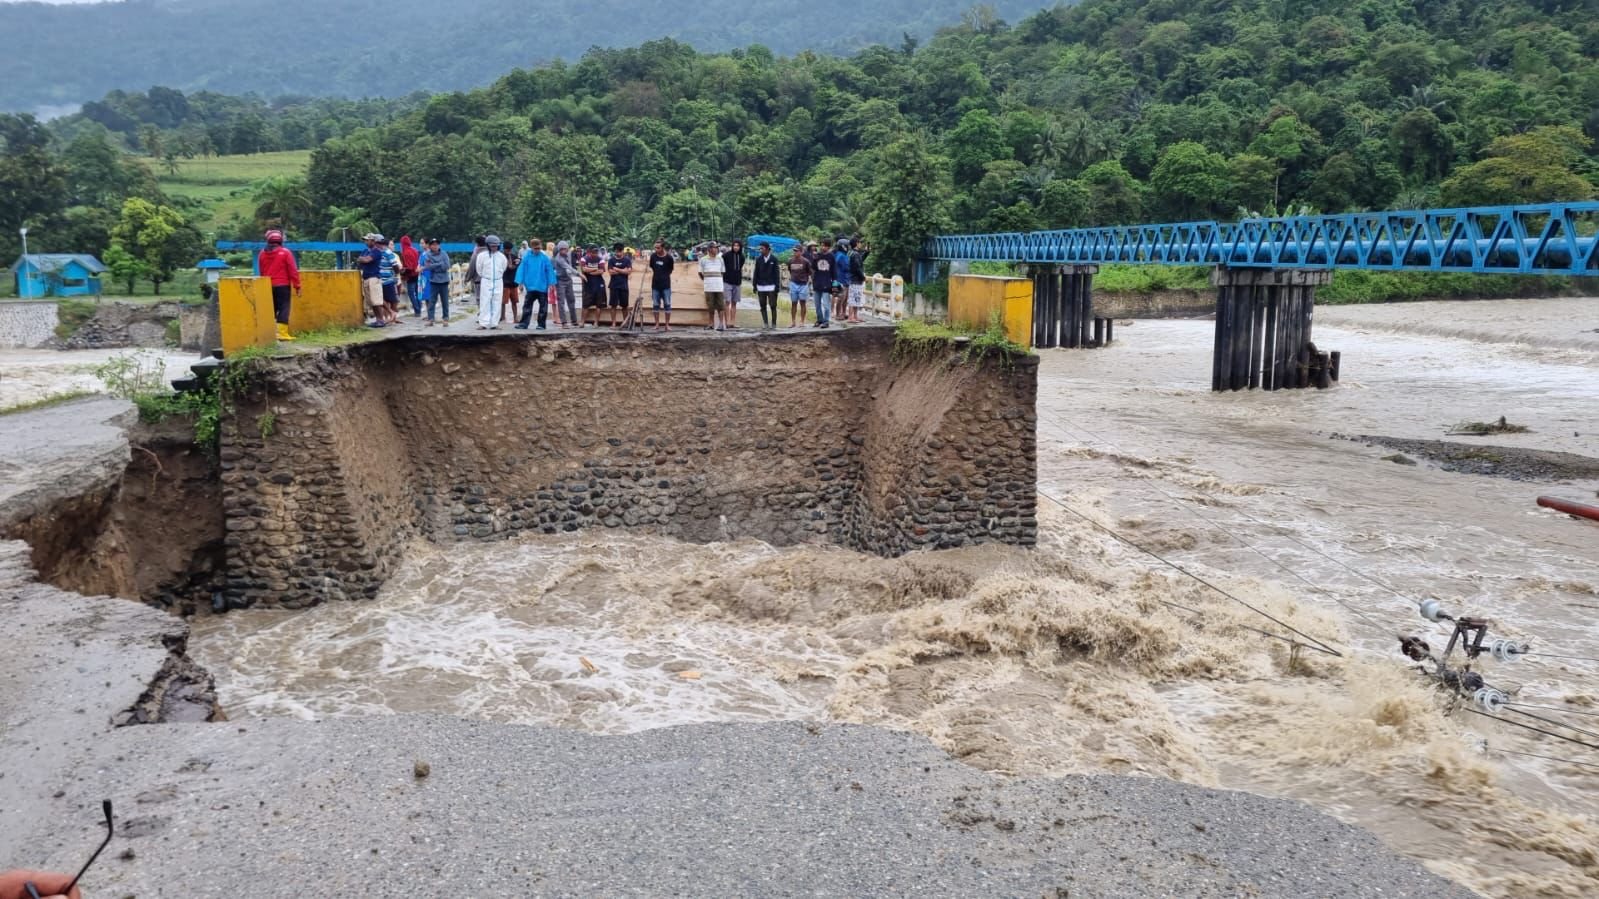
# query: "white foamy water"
[[1069, 658]]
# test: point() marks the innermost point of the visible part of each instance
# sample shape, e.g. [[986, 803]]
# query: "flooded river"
[[1095, 653]]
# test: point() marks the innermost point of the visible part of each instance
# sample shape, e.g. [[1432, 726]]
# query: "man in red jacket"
[[278, 264]]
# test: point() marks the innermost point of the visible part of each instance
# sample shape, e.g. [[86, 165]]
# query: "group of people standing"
[[508, 284], [835, 275]]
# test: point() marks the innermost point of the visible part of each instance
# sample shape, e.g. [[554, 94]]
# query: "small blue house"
[[58, 275]]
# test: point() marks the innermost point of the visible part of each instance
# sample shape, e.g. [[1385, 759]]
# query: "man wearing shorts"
[[620, 268], [857, 279], [371, 264], [799, 284], [711, 274], [661, 265], [389, 276]]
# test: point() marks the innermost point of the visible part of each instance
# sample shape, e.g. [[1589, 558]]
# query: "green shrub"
[[72, 315]]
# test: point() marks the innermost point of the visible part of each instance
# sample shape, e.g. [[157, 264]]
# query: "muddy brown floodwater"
[[1086, 654]]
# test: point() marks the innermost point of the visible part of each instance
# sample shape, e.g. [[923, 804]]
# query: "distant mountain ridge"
[[65, 54]]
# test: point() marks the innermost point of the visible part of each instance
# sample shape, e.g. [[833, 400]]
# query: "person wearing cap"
[[537, 276], [277, 264], [593, 268], [711, 271], [436, 264], [370, 262], [620, 268], [491, 268], [661, 265], [566, 282]]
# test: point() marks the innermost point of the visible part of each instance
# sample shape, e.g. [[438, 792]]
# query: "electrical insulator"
[[1415, 648], [1489, 699], [1507, 650], [1433, 610]]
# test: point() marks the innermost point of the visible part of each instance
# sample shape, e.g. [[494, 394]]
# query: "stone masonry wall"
[[790, 438], [24, 324], [124, 325]]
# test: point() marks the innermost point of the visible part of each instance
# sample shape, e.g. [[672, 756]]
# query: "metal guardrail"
[[1536, 239]]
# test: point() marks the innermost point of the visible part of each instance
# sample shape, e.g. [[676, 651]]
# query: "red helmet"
[[274, 236]]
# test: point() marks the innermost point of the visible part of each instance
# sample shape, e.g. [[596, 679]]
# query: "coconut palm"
[[281, 201], [848, 216], [348, 221]]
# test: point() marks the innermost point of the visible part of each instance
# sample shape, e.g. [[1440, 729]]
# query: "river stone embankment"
[[404, 805], [335, 459]]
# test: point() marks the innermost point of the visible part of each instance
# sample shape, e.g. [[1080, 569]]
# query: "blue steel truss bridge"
[[1267, 270]]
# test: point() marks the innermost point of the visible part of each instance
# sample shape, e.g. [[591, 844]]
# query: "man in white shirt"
[[711, 272]]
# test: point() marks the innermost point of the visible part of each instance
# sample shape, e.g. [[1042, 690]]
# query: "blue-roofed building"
[[57, 275], [213, 269]]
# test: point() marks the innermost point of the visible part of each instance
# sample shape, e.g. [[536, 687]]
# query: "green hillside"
[[225, 184]]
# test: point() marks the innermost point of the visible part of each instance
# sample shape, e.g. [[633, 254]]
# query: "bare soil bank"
[[153, 533]]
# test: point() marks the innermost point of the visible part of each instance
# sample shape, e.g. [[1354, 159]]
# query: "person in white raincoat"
[[491, 292]]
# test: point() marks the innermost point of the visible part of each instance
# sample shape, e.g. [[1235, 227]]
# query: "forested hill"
[[1111, 111], [62, 55]]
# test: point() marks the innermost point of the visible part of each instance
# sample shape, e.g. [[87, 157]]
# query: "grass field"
[[223, 182]]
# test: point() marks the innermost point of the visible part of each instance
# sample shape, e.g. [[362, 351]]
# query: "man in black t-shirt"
[[593, 268], [661, 265], [620, 269]]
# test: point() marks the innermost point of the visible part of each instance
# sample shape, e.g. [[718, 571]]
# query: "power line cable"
[[1247, 545], [1316, 643], [1550, 758]]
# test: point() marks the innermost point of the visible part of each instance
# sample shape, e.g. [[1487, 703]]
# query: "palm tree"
[[1050, 145], [1036, 179], [848, 216], [281, 200], [347, 221], [1083, 143]]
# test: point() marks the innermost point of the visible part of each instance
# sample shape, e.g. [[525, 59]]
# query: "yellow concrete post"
[[327, 299], [975, 300], [244, 313]]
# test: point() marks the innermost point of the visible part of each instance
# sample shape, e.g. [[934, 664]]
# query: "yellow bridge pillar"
[[977, 300]]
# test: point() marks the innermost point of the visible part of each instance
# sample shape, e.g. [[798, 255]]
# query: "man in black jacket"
[[767, 282]]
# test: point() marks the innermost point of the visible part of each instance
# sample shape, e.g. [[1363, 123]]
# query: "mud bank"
[[1515, 463], [338, 459]]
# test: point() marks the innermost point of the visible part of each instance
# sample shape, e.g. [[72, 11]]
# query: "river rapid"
[[1094, 653]]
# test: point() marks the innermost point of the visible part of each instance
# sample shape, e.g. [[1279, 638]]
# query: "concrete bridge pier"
[[1263, 321], [1063, 308]]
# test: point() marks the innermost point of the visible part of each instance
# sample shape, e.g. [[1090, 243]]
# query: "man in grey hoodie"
[[565, 300]]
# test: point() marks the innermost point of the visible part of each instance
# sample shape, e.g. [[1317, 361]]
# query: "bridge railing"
[[1534, 239]]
